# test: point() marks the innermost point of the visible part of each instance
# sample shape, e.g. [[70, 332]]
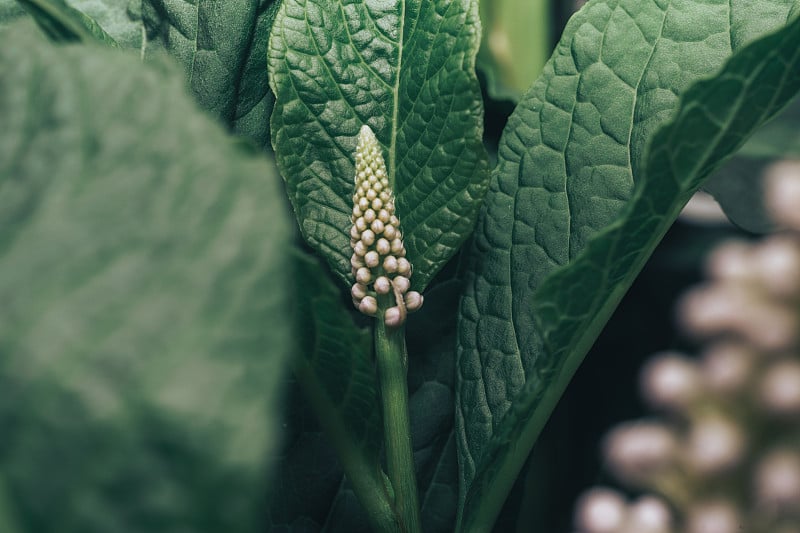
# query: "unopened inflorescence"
[[380, 268]]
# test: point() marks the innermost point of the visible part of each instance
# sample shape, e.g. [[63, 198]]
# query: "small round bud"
[[413, 301], [390, 207], [377, 226], [782, 192], [402, 283], [356, 261], [384, 195], [376, 204], [728, 367], [392, 317], [380, 173], [360, 249], [779, 389], [363, 204], [390, 264], [649, 515], [368, 306], [363, 275], [368, 237], [713, 517], [356, 212], [383, 285], [383, 247], [600, 510], [358, 291], [371, 194], [394, 221], [383, 215], [777, 481], [715, 444], [397, 246], [354, 233], [390, 232], [671, 381], [403, 266], [372, 259], [378, 186], [369, 216], [636, 451], [360, 224]]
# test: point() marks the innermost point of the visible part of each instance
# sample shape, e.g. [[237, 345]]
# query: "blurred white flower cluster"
[[722, 454]]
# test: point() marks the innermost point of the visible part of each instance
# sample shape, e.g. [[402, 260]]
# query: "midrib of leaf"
[[396, 98], [567, 320]]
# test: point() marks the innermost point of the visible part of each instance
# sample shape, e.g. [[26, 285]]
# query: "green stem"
[[364, 475], [390, 352]]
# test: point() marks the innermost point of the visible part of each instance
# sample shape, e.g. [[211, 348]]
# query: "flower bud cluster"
[[724, 454], [380, 268]]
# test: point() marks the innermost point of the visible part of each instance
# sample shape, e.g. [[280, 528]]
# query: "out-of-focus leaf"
[[515, 44], [222, 46], [144, 278], [65, 24], [738, 185]]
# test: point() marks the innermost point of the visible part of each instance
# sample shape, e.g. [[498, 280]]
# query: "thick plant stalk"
[[382, 281]]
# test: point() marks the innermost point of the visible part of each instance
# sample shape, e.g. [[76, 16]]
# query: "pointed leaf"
[[406, 69], [222, 46], [65, 24], [569, 158], [144, 281]]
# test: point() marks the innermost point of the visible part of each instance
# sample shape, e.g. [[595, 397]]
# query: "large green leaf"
[[222, 46], [405, 68], [144, 278], [568, 161]]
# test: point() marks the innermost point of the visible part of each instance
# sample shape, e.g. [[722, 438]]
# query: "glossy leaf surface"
[[406, 69]]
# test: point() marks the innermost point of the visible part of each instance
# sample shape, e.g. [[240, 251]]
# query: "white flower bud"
[[413, 301], [354, 233], [403, 266], [397, 246], [377, 226], [382, 247], [715, 444], [358, 291], [649, 514], [728, 367], [376, 204], [779, 388], [636, 451], [356, 262], [369, 216], [402, 284], [372, 259], [359, 248], [368, 306], [383, 285], [670, 381], [390, 264], [393, 317], [714, 517], [363, 275], [368, 237], [600, 510], [777, 481], [360, 224], [389, 232], [782, 192]]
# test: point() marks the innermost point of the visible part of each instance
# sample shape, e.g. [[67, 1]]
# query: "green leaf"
[[333, 366], [406, 69], [569, 158], [515, 45], [10, 10], [144, 277], [65, 24], [738, 185], [222, 46]]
